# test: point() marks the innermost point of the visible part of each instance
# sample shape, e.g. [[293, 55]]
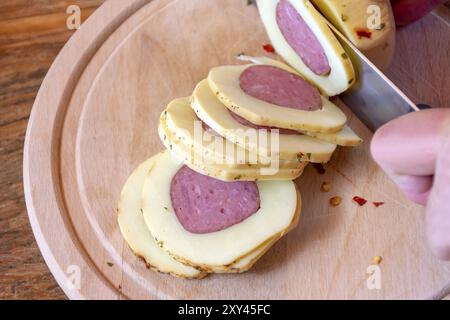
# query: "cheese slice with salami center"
[[136, 233], [268, 103], [179, 123], [277, 211], [292, 145], [200, 162], [301, 35]]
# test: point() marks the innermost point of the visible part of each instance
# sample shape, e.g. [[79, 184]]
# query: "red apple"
[[407, 11]]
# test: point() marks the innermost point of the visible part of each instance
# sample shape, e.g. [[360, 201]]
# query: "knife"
[[374, 99]]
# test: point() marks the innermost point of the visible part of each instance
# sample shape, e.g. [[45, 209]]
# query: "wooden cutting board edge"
[[68, 68]]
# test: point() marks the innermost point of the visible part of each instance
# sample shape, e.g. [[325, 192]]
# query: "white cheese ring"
[[209, 109], [225, 83], [342, 74], [135, 232], [177, 123], [242, 172], [278, 206]]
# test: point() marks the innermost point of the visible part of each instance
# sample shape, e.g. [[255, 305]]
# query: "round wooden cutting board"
[[95, 119]]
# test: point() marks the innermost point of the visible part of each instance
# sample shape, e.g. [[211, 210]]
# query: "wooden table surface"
[[31, 35]]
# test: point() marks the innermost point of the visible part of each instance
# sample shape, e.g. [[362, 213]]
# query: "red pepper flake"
[[359, 200], [334, 98], [269, 48], [378, 204], [363, 33], [319, 168]]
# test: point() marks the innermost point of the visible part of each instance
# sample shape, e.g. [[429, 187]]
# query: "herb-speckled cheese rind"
[[135, 232], [349, 16], [278, 201], [225, 83], [342, 74], [245, 172]]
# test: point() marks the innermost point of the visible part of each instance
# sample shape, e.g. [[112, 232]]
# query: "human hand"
[[414, 150]]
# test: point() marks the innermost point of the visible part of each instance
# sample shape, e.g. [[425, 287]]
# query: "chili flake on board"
[[378, 204], [269, 48], [359, 200]]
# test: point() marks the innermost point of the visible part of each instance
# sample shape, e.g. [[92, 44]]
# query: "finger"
[[408, 145], [438, 207], [416, 188], [406, 149]]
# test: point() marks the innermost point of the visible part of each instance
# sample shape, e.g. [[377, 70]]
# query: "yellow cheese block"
[[353, 16]]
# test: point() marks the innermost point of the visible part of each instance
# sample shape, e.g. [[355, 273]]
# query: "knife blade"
[[373, 98]]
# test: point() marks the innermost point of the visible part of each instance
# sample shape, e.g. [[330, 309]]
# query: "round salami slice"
[[249, 124], [203, 204], [300, 37], [280, 87]]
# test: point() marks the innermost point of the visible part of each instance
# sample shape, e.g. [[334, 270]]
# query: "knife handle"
[[423, 106]]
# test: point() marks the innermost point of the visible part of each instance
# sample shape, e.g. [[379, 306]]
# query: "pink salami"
[[300, 37], [208, 129], [280, 87], [204, 204], [249, 124]]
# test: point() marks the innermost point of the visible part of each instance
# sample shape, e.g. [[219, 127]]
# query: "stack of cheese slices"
[[222, 193]]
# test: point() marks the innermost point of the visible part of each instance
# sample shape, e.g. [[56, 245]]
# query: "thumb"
[[438, 206]]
